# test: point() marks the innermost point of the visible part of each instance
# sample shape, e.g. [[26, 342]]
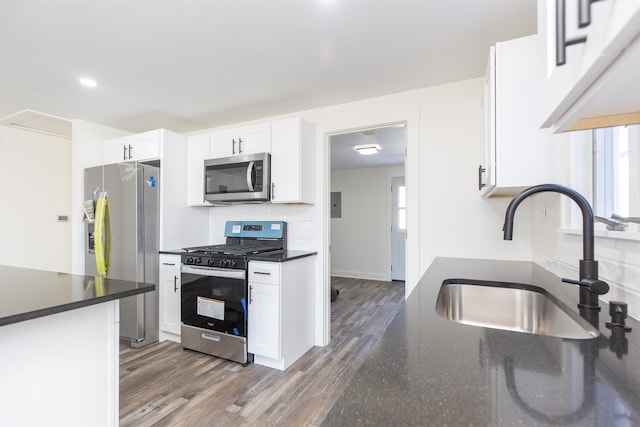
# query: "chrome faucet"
[[590, 285]]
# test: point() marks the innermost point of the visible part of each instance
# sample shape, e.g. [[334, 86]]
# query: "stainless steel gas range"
[[214, 290]]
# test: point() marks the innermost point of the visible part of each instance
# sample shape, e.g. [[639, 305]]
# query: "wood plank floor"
[[164, 385]]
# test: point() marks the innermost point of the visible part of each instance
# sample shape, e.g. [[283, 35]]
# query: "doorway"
[[363, 206]]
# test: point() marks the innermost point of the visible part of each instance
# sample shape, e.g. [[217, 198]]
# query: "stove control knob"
[[234, 263], [189, 260], [211, 262], [197, 260]]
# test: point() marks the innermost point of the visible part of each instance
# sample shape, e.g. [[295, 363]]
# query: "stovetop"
[[243, 238], [225, 249]]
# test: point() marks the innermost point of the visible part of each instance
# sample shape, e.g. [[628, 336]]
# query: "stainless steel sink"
[[510, 306]]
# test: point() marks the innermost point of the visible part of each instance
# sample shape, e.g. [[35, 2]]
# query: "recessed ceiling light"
[[85, 81], [368, 149]]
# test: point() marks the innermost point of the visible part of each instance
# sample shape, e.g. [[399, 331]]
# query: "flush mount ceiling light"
[[368, 149], [85, 81]]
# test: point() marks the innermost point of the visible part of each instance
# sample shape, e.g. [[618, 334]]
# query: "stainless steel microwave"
[[244, 178]]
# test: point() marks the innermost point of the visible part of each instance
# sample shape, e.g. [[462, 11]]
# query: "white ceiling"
[[390, 139], [189, 65]]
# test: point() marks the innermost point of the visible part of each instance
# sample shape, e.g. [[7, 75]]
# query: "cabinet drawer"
[[264, 272]]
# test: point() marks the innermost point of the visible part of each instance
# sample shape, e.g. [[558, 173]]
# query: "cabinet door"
[[254, 139], [170, 293], [224, 143], [197, 153], [487, 172], [613, 26], [518, 153], [263, 334], [142, 146], [293, 147]]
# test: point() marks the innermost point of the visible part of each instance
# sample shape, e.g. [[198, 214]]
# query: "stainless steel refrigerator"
[[132, 192]]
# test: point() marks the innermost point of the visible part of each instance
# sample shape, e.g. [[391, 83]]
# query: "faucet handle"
[[596, 286]]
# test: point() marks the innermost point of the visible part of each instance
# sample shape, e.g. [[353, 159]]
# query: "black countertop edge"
[[282, 257], [172, 252], [21, 317]]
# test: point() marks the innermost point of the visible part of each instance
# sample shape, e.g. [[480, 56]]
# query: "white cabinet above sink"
[[597, 85]]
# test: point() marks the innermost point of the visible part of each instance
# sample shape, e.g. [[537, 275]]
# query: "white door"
[[398, 227]]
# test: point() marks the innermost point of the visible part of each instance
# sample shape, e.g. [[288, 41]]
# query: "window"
[[611, 171], [616, 171], [402, 207]]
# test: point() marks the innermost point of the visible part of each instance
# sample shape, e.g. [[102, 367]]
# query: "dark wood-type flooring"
[[164, 385]]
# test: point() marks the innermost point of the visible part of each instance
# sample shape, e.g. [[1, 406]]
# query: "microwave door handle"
[[250, 169]]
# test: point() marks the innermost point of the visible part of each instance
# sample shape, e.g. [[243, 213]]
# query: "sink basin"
[[510, 306]]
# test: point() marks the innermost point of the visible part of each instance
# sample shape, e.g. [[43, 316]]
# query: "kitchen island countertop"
[[28, 294], [426, 370]]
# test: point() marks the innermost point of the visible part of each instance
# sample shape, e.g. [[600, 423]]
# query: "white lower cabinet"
[[169, 297], [264, 320], [281, 311]]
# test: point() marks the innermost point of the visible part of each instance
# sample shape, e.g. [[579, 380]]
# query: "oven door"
[[214, 299]]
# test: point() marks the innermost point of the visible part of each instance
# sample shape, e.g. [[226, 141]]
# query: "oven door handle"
[[215, 272]]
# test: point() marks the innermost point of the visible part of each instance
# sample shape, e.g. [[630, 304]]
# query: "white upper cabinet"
[[591, 73], [515, 152], [245, 140], [290, 142], [138, 147], [292, 161]]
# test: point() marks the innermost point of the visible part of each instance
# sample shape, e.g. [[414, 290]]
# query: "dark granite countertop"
[[281, 257], [27, 294], [427, 371]]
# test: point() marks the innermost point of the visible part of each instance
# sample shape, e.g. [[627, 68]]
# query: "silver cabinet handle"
[[239, 145], [175, 283], [264, 273], [561, 42], [168, 263], [250, 298], [124, 152], [233, 146], [481, 170], [273, 190], [584, 12], [130, 151]]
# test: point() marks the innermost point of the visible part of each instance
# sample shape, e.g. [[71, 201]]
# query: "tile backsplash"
[[301, 223], [559, 251]]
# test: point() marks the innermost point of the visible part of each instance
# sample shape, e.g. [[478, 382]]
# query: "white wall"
[[34, 189], [560, 251], [445, 214], [360, 239]]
